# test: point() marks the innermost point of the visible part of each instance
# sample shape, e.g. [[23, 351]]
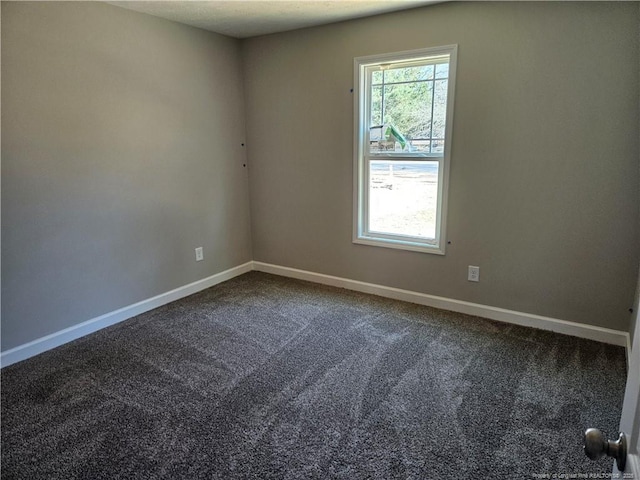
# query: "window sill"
[[400, 245]]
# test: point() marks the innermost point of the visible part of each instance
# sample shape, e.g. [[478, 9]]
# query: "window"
[[403, 116]]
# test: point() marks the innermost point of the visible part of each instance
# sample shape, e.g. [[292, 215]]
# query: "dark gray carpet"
[[265, 377]]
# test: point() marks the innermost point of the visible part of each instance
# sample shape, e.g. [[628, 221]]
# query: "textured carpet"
[[265, 377]]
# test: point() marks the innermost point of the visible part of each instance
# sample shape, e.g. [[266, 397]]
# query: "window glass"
[[403, 198]]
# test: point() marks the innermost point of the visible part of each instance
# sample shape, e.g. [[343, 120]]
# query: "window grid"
[[436, 76]]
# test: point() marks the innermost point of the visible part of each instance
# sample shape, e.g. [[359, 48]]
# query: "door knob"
[[596, 445]]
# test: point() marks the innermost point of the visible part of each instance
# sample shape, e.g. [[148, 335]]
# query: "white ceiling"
[[242, 18]]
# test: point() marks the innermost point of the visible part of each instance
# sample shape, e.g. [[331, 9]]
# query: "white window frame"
[[363, 157]]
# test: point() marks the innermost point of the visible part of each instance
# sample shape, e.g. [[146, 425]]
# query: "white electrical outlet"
[[474, 274], [199, 254]]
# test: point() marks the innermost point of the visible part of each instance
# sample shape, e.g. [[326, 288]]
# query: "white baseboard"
[[600, 334], [61, 337]]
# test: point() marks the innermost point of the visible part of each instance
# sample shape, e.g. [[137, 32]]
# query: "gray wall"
[[121, 153], [544, 174]]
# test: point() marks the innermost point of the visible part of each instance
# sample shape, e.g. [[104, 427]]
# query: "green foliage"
[[411, 98]]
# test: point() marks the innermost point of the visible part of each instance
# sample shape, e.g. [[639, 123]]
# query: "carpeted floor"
[[265, 377]]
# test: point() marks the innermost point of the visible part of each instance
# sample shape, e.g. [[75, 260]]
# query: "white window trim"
[[360, 173]]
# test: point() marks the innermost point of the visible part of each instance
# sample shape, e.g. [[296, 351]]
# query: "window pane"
[[440, 108], [442, 70], [376, 77], [437, 146], [376, 106], [423, 146], [408, 74], [379, 141], [408, 107], [403, 198]]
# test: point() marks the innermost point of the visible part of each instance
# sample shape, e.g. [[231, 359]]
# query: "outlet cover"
[[474, 274], [199, 254]]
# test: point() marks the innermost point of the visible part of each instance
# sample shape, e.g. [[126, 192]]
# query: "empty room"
[[320, 240]]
